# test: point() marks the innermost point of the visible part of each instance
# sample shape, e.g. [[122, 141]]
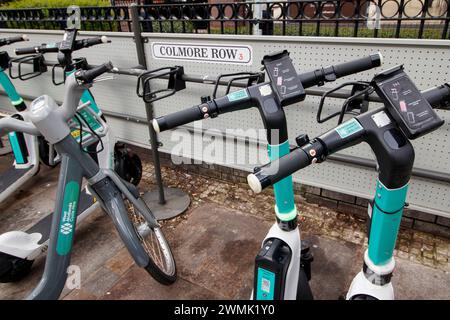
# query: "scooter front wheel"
[[161, 265]]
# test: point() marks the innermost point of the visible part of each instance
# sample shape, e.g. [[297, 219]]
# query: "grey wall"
[[426, 61]]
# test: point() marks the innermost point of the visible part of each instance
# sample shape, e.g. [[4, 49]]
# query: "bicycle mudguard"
[[107, 192]]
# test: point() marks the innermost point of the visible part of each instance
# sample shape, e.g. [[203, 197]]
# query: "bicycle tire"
[[155, 268]]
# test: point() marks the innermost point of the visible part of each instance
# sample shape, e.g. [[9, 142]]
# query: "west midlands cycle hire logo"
[[66, 228]]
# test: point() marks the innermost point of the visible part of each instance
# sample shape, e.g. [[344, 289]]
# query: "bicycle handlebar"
[[223, 105], [300, 158], [10, 40], [54, 47]]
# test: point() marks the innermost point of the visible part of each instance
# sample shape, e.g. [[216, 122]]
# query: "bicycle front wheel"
[[161, 265]]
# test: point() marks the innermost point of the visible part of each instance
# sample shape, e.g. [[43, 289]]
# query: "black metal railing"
[[354, 18]]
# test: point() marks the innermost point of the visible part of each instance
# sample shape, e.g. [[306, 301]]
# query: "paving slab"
[[138, 285], [418, 282]]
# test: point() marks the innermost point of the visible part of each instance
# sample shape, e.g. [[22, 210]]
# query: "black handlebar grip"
[[88, 76], [438, 97], [179, 118], [10, 40], [331, 73], [359, 65], [278, 169], [30, 50], [89, 42], [38, 49]]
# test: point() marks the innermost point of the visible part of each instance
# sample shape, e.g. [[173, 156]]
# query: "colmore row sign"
[[234, 54]]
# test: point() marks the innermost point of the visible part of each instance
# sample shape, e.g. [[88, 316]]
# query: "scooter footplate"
[[44, 225], [10, 176]]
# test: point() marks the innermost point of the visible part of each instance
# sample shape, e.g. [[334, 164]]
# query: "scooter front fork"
[[374, 281]]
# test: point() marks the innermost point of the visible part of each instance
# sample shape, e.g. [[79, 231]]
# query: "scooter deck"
[[10, 176], [44, 225]]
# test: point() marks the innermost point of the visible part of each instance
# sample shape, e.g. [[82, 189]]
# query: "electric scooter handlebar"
[[331, 73], [10, 40], [222, 105], [54, 47], [89, 42], [318, 148], [44, 48]]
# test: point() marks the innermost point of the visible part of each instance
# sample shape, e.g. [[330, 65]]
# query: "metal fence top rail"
[[229, 37]]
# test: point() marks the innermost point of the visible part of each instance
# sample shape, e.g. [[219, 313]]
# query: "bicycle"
[[111, 191], [19, 249]]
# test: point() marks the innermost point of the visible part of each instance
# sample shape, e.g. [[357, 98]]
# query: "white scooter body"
[[363, 286], [292, 239]]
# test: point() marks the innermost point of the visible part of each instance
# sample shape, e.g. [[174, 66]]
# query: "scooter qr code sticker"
[[265, 285]]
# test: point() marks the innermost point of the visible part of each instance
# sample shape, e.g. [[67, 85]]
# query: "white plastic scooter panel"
[[430, 66]]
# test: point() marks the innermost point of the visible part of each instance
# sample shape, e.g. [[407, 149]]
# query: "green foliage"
[[53, 3]]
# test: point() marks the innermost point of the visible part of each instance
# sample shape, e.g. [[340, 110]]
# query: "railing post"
[[148, 106], [447, 22], [257, 15], [401, 8], [176, 201]]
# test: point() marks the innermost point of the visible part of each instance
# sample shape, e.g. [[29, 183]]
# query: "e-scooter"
[[280, 272], [19, 249], [407, 114], [134, 222]]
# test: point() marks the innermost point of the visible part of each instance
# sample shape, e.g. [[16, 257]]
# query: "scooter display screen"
[[68, 42], [406, 104], [284, 78]]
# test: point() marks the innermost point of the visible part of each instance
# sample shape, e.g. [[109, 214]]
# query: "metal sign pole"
[[165, 203]]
